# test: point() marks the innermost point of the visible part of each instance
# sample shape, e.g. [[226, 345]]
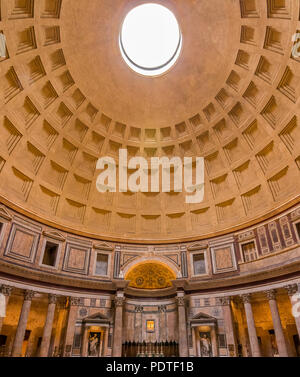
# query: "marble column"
[[280, 339], [255, 348], [242, 326], [195, 349], [74, 302], [21, 329], [118, 328], [85, 341], [162, 309], [48, 326], [101, 343], [229, 325], [59, 330], [105, 341], [214, 341], [198, 344], [138, 325], [294, 295], [6, 291], [182, 330]]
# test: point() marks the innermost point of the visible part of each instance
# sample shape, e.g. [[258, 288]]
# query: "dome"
[[68, 98], [149, 178]]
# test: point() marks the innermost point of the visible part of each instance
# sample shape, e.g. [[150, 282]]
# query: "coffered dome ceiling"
[[68, 98]]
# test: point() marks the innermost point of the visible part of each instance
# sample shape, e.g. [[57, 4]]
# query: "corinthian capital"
[[119, 301], [74, 301], [225, 301], [52, 298], [292, 289], [247, 298], [139, 309], [28, 295], [6, 290], [271, 294], [162, 308], [180, 301]]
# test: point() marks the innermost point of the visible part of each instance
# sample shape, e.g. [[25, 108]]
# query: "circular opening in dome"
[[150, 39]]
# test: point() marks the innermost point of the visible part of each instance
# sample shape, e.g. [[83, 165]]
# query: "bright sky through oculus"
[[150, 39]]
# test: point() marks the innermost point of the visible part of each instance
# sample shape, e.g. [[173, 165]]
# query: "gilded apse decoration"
[[150, 276]]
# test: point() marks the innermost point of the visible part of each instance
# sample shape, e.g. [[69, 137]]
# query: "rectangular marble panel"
[[223, 258], [77, 259], [22, 243]]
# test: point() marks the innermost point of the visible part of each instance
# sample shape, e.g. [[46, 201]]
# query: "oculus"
[[150, 39]]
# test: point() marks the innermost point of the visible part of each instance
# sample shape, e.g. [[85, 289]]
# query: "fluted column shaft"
[[229, 326], [105, 341], [162, 323], [214, 341], [294, 295], [138, 325], [20, 333], [72, 317], [118, 328], [182, 330], [195, 350], [6, 291], [59, 336], [85, 343], [255, 348], [280, 339], [44, 351]]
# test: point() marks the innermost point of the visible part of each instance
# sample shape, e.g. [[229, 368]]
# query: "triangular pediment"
[[98, 317], [198, 246], [55, 235], [103, 246], [202, 316], [4, 214]]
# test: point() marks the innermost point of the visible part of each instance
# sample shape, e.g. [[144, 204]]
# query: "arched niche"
[[150, 274]]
